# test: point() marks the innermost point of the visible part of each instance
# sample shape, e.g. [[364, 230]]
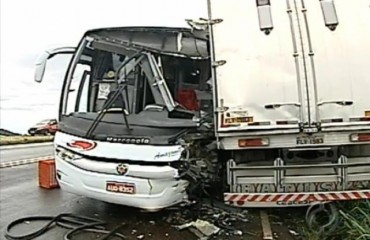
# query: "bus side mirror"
[[41, 62], [40, 66]]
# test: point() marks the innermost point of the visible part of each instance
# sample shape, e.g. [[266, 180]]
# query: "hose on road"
[[75, 223], [322, 218]]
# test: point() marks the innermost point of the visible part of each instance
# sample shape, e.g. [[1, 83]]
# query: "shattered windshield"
[[110, 78], [97, 77], [114, 84], [161, 67]]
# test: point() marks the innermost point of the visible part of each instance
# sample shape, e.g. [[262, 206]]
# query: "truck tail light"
[[360, 119], [360, 137], [332, 120], [253, 142], [223, 124], [286, 122]]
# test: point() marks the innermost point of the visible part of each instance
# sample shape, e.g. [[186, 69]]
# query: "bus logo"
[[82, 145], [122, 169]]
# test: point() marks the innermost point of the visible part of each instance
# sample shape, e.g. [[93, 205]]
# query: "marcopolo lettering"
[[128, 140]]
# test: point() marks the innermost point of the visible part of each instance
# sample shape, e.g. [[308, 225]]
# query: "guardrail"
[[10, 140]]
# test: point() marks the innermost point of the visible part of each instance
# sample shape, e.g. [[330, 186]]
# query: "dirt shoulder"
[[11, 140]]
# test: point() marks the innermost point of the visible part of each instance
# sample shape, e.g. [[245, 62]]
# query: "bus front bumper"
[[146, 193]]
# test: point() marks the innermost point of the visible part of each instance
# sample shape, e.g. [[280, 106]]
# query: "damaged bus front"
[[128, 100]]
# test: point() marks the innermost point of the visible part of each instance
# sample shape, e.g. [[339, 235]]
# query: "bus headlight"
[[66, 155]]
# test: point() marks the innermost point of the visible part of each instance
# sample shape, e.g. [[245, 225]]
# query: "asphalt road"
[[20, 196], [25, 151]]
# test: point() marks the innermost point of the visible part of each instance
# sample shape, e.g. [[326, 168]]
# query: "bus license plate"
[[121, 187]]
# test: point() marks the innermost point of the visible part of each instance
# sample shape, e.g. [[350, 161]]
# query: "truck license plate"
[[238, 120], [120, 187], [310, 140]]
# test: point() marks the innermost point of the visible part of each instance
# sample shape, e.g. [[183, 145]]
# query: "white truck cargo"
[[262, 104], [292, 82]]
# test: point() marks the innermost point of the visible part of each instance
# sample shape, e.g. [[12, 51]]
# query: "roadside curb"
[[24, 161]]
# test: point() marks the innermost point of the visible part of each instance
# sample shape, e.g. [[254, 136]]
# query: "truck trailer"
[[291, 99], [261, 104]]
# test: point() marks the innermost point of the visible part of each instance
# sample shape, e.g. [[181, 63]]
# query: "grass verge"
[[355, 218], [353, 224], [10, 140]]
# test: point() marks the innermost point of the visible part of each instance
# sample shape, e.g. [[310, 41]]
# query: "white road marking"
[[266, 228], [24, 161], [28, 145]]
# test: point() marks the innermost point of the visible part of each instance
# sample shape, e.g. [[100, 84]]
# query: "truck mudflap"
[[291, 199]]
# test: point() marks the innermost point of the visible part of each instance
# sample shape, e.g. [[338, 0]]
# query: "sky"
[[27, 28]]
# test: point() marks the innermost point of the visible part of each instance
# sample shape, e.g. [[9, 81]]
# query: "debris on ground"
[[208, 218], [294, 233], [140, 237], [206, 228]]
